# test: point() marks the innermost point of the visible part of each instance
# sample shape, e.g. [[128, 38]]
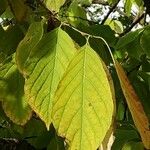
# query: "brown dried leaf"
[[135, 106]]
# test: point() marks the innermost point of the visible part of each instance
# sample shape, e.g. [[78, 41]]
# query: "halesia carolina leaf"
[[54, 5], [145, 40], [31, 39], [83, 106], [135, 106], [44, 69], [12, 94]]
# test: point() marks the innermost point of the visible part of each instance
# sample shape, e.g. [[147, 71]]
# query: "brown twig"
[[77, 17], [132, 25], [110, 11]]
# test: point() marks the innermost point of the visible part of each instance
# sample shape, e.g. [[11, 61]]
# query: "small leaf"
[[134, 49], [127, 39], [76, 10], [54, 5], [115, 25], [145, 38], [133, 146], [128, 6], [83, 106], [12, 94], [43, 70], [135, 106]]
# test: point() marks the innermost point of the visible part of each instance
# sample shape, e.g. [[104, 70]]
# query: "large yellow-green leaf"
[[54, 5], [31, 39], [12, 93], [44, 69], [83, 106]]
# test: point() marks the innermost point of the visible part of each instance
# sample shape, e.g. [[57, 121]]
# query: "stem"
[[110, 11], [98, 37], [76, 17], [132, 25]]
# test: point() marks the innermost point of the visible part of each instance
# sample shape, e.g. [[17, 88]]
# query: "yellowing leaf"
[[135, 106], [54, 5], [83, 106], [44, 69], [12, 94]]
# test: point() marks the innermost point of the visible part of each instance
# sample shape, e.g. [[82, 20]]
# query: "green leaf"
[[7, 14], [112, 1], [76, 36], [122, 136], [115, 25], [84, 2], [44, 69], [128, 6], [134, 49], [10, 39], [31, 39], [133, 146], [120, 111], [12, 94], [103, 31], [75, 12], [99, 46], [128, 38], [83, 106], [139, 3], [54, 5], [36, 134], [56, 143], [145, 38], [3, 4]]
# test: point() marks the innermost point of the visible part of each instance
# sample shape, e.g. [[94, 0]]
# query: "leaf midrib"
[[50, 96], [82, 104]]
